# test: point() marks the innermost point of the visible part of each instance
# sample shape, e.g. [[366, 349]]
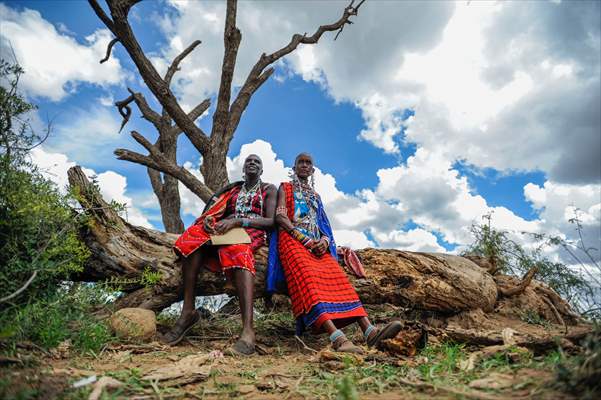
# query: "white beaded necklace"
[[245, 200]]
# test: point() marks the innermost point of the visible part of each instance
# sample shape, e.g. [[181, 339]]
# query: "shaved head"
[[303, 154]]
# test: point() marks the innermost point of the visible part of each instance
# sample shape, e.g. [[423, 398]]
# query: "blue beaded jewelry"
[[369, 330], [335, 335]]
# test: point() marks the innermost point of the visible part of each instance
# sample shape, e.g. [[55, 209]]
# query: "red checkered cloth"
[[224, 258], [316, 284]]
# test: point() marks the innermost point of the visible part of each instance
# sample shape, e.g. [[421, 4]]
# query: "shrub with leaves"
[[61, 316], [509, 257], [39, 245]]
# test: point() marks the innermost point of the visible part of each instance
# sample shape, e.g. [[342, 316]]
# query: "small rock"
[[493, 381], [134, 323], [246, 389]]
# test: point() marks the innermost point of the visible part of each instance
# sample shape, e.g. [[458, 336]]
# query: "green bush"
[[65, 315], [39, 244], [509, 257], [38, 229]]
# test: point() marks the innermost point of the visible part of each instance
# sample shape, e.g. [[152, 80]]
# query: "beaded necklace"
[[304, 192], [245, 199]]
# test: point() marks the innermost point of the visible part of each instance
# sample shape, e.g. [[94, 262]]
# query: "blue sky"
[[417, 131]]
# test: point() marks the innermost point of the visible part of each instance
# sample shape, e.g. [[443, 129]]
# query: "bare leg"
[[329, 327], [364, 323], [190, 268], [244, 282]]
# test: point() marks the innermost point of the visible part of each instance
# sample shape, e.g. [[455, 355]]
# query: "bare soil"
[[284, 368]]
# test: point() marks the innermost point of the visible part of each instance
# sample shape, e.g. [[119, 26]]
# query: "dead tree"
[[441, 290], [228, 111]]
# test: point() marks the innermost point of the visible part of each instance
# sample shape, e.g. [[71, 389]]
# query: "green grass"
[[534, 318], [67, 315]]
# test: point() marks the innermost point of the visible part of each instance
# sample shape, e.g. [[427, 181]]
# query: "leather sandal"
[[388, 332], [242, 348], [178, 332], [344, 345]]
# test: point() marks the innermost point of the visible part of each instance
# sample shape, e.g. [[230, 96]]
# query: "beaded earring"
[[313, 181]]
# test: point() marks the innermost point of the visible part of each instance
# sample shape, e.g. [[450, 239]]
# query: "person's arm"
[[281, 216], [283, 222], [265, 223]]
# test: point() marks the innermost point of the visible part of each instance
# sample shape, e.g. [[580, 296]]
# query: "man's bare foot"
[[184, 323], [248, 336]]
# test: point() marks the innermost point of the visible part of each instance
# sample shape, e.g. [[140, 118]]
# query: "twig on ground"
[[556, 314], [459, 392], [304, 345], [20, 290], [295, 390]]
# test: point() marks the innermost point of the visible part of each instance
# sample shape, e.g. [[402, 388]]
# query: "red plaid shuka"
[[318, 287], [224, 258]]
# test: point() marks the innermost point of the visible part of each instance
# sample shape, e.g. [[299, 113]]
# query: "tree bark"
[[227, 114], [446, 290], [166, 187], [122, 252]]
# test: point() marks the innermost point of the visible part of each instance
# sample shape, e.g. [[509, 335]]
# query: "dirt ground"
[[284, 368]]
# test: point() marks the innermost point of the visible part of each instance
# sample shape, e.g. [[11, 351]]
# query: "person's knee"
[[243, 275]]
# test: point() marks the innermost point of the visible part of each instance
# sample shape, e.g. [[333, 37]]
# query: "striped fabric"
[[318, 287]]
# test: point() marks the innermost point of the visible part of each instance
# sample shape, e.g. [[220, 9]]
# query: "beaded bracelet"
[[301, 237]]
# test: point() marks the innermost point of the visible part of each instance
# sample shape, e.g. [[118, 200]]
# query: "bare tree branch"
[[159, 162], [108, 50], [258, 76], [102, 15], [297, 39], [147, 113], [132, 156], [174, 67], [122, 30], [124, 109], [21, 289], [197, 111], [123, 6], [231, 39], [242, 101], [194, 114]]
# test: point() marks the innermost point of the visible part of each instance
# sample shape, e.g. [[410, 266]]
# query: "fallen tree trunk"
[[445, 284], [123, 253]]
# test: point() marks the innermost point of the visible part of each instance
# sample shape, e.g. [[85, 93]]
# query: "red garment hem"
[[340, 319]]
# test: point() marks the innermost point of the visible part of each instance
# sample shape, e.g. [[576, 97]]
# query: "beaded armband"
[[301, 237]]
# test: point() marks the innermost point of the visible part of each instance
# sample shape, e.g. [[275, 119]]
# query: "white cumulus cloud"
[[53, 60]]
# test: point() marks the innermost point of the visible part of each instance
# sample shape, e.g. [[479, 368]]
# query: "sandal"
[[344, 345], [178, 332], [388, 332], [242, 348]]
